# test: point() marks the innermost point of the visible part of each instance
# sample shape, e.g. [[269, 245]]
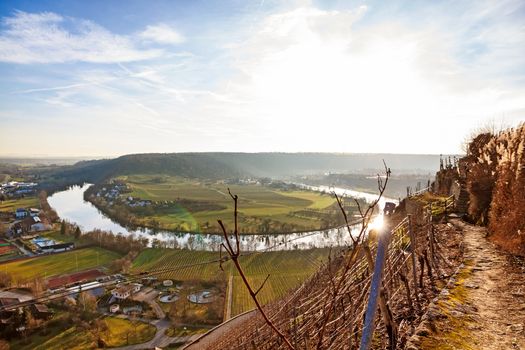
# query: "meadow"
[[118, 332], [287, 270], [56, 264], [195, 205], [12, 204]]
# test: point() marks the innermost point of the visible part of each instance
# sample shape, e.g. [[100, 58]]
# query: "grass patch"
[[12, 204], [56, 264], [123, 332], [455, 333], [185, 331], [120, 332]]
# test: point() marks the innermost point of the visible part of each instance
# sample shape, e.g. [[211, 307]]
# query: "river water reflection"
[[71, 206]]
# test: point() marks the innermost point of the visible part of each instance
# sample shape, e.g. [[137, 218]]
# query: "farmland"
[[287, 270], [182, 204], [50, 265]]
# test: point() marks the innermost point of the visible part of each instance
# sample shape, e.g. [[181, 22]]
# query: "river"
[[71, 206]]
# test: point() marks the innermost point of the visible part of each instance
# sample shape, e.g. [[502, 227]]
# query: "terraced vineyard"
[[287, 270]]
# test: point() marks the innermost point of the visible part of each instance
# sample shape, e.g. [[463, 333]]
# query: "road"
[[149, 295]]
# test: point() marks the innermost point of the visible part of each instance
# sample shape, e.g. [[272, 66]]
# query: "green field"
[[287, 270], [193, 205], [75, 338], [12, 204], [56, 264]]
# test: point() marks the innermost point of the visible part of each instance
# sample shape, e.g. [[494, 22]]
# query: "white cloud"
[[313, 70], [162, 34], [45, 38]]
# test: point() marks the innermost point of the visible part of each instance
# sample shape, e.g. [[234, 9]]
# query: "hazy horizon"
[[89, 157]]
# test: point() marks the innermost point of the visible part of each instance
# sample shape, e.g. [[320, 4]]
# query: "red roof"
[[61, 281]]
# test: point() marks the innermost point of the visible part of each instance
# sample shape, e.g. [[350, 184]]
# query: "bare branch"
[[262, 285], [342, 208], [236, 231], [225, 233]]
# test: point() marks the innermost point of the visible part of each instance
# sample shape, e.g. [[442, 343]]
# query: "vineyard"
[[287, 270], [328, 310]]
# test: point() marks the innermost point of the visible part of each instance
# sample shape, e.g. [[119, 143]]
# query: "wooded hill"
[[232, 165]]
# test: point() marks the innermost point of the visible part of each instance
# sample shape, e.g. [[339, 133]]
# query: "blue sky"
[[105, 78]]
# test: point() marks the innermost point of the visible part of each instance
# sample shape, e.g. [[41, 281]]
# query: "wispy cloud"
[[162, 34], [50, 38]]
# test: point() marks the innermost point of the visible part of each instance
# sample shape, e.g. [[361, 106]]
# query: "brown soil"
[[484, 306]]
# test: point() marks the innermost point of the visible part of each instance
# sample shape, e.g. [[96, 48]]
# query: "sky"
[[107, 78]]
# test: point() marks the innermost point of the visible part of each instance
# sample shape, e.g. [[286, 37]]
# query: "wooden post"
[[375, 290], [413, 243]]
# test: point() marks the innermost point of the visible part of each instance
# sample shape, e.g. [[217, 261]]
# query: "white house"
[[125, 291]]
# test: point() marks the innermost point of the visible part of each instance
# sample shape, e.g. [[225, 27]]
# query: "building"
[[58, 247], [21, 213], [32, 224], [59, 282], [41, 311], [125, 291], [34, 211]]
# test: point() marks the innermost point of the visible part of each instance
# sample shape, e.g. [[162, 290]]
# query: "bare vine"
[[358, 243]]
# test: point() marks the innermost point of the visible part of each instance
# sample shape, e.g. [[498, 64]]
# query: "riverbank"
[[187, 205], [70, 206]]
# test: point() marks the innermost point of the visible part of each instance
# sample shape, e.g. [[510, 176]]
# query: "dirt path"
[[229, 299], [484, 306]]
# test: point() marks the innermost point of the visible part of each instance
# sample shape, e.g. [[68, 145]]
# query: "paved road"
[[149, 295]]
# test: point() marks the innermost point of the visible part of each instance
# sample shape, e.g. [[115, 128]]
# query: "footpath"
[[483, 306]]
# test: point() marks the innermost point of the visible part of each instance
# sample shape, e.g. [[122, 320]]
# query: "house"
[[21, 213], [41, 311], [125, 291], [32, 224], [16, 229], [34, 211]]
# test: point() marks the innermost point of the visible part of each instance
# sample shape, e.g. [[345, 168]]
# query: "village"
[[66, 274]]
